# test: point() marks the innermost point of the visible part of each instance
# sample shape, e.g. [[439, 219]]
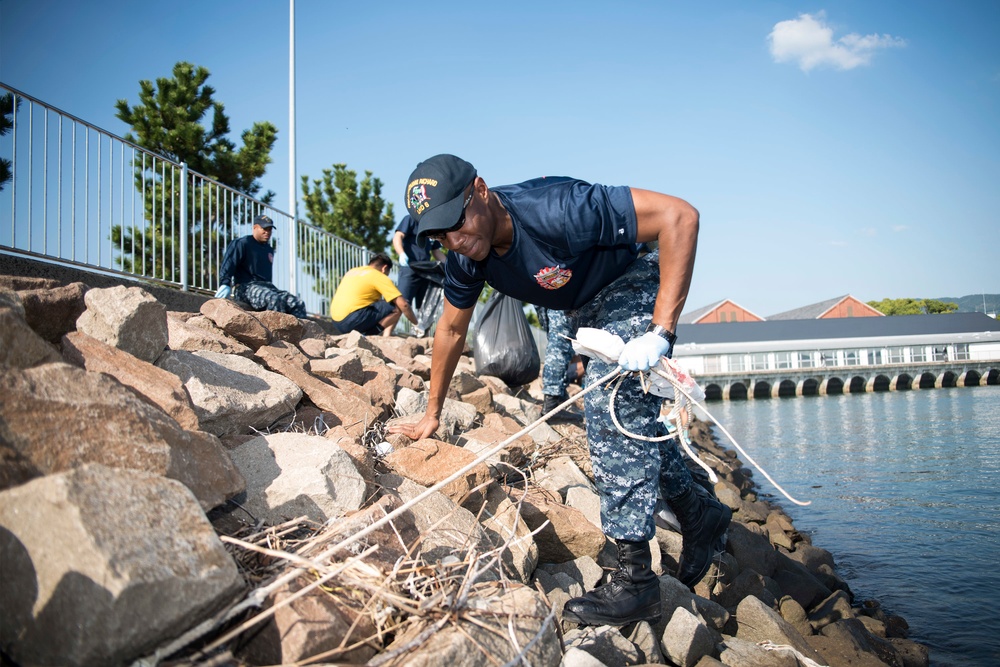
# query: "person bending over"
[[367, 301], [566, 244]]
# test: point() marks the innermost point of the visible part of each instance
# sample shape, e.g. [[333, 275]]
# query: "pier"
[[847, 379]]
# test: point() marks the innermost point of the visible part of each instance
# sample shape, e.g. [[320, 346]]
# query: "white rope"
[[677, 387]]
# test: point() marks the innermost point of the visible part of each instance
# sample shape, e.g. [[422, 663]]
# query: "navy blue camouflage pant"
[[630, 473], [260, 295], [558, 349]]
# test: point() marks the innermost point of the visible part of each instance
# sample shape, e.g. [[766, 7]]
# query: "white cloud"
[[808, 40], [899, 228], [869, 231]]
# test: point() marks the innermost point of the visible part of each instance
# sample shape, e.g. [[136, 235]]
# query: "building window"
[[918, 354], [737, 362], [806, 360], [783, 359], [722, 316], [895, 355], [713, 364], [940, 353], [828, 358], [850, 313], [851, 358], [732, 316], [962, 351], [874, 357], [758, 361]]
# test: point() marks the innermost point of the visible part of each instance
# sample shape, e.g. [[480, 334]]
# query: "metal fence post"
[[184, 226]]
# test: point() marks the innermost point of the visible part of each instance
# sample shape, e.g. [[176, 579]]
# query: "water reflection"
[[904, 495]]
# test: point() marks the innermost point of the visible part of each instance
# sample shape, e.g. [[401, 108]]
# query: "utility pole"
[[293, 199]]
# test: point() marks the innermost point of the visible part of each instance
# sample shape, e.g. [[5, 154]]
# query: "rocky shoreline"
[[217, 488]]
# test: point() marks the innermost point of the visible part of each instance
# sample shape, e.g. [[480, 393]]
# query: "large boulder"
[[231, 394], [127, 318], [60, 417], [100, 566], [294, 474]]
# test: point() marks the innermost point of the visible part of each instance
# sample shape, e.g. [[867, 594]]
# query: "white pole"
[[293, 199]]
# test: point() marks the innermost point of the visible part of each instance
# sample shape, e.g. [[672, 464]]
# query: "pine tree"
[[7, 111], [168, 121], [354, 211]]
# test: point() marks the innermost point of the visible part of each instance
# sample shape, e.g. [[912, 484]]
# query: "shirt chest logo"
[[552, 277]]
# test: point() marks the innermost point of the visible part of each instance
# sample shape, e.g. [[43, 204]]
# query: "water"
[[904, 495]]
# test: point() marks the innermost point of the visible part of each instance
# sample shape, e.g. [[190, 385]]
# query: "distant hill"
[[973, 303]]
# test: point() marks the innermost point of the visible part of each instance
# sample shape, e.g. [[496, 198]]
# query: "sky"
[[844, 147]]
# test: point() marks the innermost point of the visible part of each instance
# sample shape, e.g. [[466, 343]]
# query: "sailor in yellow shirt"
[[367, 301]]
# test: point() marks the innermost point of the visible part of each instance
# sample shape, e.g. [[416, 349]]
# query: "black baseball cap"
[[434, 192], [264, 221]]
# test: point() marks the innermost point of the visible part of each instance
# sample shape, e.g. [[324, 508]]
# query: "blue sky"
[[832, 148]]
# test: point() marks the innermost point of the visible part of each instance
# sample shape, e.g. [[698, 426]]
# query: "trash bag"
[[433, 303], [504, 346]]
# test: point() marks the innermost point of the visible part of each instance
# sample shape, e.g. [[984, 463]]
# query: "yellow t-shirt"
[[359, 288]]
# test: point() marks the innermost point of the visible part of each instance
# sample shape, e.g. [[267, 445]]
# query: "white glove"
[[642, 353], [223, 292], [404, 260]]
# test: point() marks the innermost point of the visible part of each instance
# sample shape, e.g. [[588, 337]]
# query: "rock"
[[686, 639], [188, 336], [525, 413], [20, 346], [448, 531], [127, 318], [508, 619], [314, 623], [736, 652], [344, 367], [561, 474], [236, 322], [102, 565], [52, 312], [154, 385], [751, 549], [429, 461], [848, 634], [284, 358], [60, 417], [568, 534], [605, 643], [504, 525], [757, 623], [283, 326], [231, 394], [455, 417], [293, 474]]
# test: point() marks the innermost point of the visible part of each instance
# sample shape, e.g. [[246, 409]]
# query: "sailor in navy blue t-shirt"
[[410, 249], [566, 244], [247, 269]]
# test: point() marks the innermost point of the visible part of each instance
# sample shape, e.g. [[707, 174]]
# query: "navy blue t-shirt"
[[246, 260], [571, 239], [410, 245]]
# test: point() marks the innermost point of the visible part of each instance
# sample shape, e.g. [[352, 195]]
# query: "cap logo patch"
[[418, 198], [552, 277]]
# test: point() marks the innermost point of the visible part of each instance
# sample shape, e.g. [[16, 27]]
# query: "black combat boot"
[[704, 521], [632, 594], [569, 414]]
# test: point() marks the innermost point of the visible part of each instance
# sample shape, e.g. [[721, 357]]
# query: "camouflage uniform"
[[262, 295], [558, 349], [630, 473]]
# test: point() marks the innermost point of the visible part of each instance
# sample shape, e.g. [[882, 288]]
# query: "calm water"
[[904, 491]]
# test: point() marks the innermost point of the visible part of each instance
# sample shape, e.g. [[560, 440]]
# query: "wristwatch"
[[663, 332]]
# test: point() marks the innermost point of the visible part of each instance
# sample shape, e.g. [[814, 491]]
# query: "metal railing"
[[82, 196]]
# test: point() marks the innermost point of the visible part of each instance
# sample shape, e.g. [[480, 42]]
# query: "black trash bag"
[[504, 346]]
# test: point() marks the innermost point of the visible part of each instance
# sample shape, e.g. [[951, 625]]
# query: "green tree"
[[168, 121], [912, 306], [354, 211], [7, 110]]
